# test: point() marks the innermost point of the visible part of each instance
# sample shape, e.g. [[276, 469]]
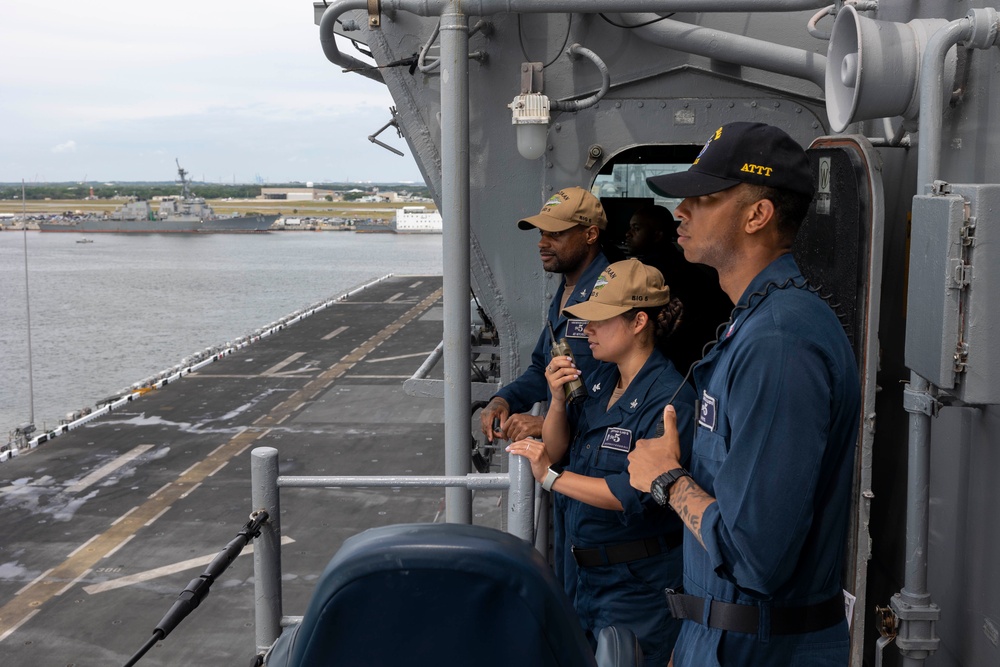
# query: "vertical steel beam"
[[267, 548], [456, 254]]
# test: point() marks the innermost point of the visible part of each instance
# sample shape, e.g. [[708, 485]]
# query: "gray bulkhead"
[[666, 90]]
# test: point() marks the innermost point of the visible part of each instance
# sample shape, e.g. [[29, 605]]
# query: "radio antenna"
[[27, 303]]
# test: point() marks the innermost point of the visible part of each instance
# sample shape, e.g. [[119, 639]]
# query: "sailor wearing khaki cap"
[[569, 243], [626, 546]]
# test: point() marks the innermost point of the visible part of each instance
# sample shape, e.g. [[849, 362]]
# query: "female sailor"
[[627, 546]]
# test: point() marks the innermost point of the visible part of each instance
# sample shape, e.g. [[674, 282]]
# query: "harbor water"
[[109, 313]]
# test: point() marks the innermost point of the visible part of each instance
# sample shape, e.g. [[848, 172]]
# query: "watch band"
[[550, 479], [660, 488]]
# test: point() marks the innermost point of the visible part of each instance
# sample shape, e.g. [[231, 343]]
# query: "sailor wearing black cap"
[[767, 499], [627, 546]]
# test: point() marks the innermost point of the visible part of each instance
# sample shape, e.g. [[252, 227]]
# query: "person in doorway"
[[626, 546], [767, 499], [651, 238]]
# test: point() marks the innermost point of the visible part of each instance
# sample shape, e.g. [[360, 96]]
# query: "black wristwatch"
[[660, 488]]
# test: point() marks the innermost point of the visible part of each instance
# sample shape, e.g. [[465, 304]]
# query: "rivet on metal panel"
[[640, 105], [753, 105]]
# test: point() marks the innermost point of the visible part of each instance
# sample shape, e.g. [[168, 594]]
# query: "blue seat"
[[425, 595]]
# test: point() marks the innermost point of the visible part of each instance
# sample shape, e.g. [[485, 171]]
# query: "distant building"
[[417, 220], [298, 194]]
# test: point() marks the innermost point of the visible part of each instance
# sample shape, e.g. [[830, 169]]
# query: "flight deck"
[[106, 524]]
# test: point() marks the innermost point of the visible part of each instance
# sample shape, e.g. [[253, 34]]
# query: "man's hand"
[[651, 458], [496, 409], [520, 426]]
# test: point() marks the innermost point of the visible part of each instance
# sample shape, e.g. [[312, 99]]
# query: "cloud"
[[65, 147]]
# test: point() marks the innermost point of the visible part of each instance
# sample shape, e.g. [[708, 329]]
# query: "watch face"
[[656, 490]]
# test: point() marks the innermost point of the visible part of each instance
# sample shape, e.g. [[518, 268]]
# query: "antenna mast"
[[185, 193], [27, 303]]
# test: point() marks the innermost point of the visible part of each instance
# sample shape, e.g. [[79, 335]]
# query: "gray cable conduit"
[[576, 105]]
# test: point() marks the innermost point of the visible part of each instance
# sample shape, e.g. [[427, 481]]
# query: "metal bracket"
[[961, 274], [394, 122], [920, 402], [374, 13], [961, 357], [531, 78], [916, 629], [594, 153]]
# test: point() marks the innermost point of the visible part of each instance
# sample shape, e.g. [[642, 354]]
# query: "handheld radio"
[[575, 391]]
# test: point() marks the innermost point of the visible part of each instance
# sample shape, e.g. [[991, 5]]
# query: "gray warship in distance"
[[186, 214]]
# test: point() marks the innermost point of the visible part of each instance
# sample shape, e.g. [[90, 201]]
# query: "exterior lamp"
[[530, 117]]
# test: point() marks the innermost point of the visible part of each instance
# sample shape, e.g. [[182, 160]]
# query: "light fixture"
[[530, 117]]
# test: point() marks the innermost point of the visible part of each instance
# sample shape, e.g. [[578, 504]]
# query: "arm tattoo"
[[689, 501]]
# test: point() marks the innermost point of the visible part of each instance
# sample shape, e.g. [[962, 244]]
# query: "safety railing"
[[518, 482]]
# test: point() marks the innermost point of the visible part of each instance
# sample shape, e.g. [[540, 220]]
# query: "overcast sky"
[[115, 90]]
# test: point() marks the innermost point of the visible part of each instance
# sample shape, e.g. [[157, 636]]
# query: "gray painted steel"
[[673, 82]]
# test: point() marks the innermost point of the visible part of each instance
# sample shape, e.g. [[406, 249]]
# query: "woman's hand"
[[534, 451], [560, 371]]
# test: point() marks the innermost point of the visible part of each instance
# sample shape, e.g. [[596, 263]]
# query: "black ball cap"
[[742, 152]]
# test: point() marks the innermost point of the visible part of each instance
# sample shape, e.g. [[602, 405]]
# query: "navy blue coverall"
[[774, 445], [628, 594]]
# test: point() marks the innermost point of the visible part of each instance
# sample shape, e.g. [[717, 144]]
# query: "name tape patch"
[[706, 416], [618, 439], [574, 328]]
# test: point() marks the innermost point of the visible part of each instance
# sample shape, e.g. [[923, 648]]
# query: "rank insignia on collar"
[[596, 387], [583, 294], [634, 404], [729, 331]]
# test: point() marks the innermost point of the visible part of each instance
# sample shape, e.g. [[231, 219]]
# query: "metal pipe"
[[328, 40], [429, 362], [267, 550], [732, 48], [521, 499], [932, 99], [456, 255], [576, 105], [470, 481], [488, 7]]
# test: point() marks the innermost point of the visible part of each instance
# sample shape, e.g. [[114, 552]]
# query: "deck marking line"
[[123, 516], [394, 297], [190, 490], [158, 491], [74, 582], [221, 466], [24, 620], [115, 549], [82, 547], [164, 571], [417, 284], [31, 583], [356, 376], [108, 468], [401, 356], [281, 364], [153, 520], [335, 332]]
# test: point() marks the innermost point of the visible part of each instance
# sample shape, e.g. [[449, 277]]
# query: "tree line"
[[42, 191]]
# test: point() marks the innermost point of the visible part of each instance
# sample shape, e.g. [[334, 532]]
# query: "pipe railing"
[[266, 486]]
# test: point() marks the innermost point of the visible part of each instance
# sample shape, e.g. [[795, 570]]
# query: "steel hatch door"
[[839, 249]]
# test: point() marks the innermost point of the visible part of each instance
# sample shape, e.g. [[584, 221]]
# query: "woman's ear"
[[640, 321]]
